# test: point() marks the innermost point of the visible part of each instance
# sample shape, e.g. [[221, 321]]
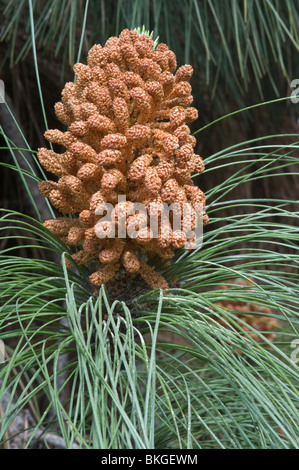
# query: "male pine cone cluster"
[[262, 320], [127, 114]]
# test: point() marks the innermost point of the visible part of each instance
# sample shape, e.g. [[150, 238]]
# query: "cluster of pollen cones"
[[127, 114]]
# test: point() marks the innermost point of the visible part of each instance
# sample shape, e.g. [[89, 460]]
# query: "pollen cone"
[[128, 113]]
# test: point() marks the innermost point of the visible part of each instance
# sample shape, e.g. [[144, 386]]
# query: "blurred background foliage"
[[243, 52]]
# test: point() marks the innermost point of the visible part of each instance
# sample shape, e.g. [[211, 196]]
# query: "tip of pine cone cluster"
[[128, 114]]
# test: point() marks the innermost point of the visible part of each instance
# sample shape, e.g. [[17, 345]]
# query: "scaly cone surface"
[[127, 114]]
